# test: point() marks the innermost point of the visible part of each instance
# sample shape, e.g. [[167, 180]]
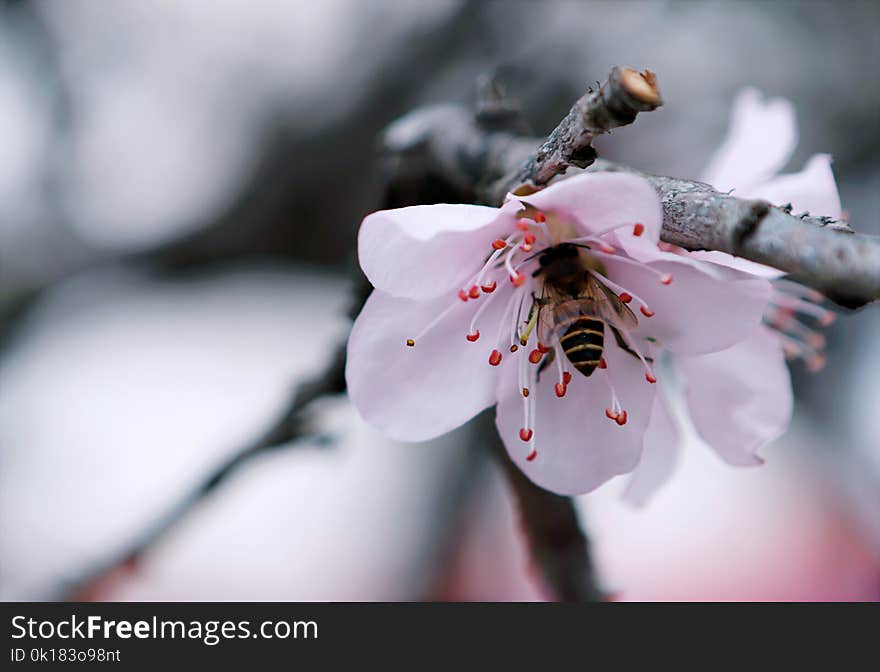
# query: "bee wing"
[[547, 325], [609, 307], [556, 318], [596, 300]]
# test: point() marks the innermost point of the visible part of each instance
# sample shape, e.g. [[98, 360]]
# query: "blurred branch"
[[558, 545], [295, 179], [290, 426]]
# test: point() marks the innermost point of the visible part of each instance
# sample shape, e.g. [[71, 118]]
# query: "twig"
[[616, 103], [486, 160]]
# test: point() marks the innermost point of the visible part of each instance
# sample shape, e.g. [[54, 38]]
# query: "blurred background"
[[180, 189]]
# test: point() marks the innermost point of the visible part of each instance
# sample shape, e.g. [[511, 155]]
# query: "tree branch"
[[290, 426], [821, 253], [817, 251], [616, 103]]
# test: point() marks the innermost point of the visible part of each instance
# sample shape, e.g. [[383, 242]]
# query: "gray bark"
[[486, 164]]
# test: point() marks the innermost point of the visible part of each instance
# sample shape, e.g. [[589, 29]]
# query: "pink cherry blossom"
[[740, 399], [761, 141], [450, 328]]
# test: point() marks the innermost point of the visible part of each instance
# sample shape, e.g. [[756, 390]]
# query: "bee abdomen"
[[583, 343]]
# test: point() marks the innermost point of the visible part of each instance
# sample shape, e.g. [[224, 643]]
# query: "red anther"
[[525, 434], [542, 348], [523, 342], [646, 312], [827, 319], [621, 418], [529, 239], [514, 347], [626, 297], [535, 356], [566, 377], [611, 415], [463, 295], [474, 336], [602, 363], [499, 244], [525, 392], [540, 217], [517, 280], [522, 225], [531, 456], [650, 377], [560, 390], [495, 358], [525, 247], [815, 363], [666, 279], [638, 229], [474, 292], [780, 324], [488, 289], [410, 343]]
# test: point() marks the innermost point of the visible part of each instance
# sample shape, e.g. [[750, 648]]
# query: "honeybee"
[[575, 307]]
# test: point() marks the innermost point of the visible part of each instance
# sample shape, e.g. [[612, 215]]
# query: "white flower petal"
[[739, 399], [578, 447], [760, 141], [599, 201], [418, 393], [706, 308], [425, 251], [660, 455], [812, 190], [738, 263]]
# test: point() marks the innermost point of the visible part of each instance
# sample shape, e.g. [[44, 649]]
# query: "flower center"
[[527, 330]]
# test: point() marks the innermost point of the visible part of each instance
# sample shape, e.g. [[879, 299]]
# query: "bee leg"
[[622, 344]]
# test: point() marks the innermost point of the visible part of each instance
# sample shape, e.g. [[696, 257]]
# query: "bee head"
[[557, 253], [560, 264]]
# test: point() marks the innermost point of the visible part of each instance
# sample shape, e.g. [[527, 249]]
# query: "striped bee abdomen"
[[583, 343]]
